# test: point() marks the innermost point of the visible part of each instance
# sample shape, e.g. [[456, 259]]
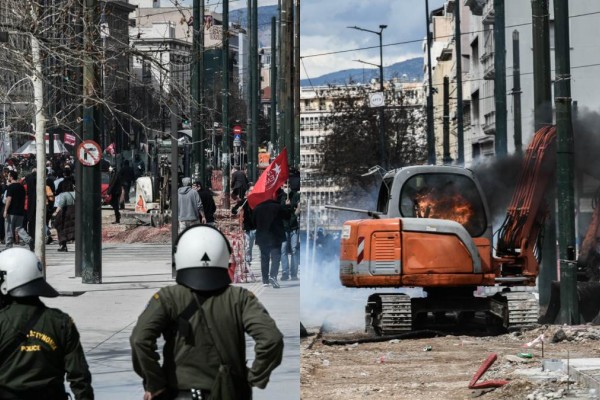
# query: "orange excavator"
[[432, 230]]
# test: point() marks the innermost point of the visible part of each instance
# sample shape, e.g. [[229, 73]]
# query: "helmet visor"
[[37, 287], [204, 278]]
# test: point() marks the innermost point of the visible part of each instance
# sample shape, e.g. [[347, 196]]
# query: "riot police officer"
[[38, 345], [203, 320]]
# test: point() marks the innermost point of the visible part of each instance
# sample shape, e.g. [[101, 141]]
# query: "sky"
[[324, 29]]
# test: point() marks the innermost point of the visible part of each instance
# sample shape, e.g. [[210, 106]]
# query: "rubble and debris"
[[408, 372]]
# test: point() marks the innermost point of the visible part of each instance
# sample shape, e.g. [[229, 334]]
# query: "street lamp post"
[[382, 108]]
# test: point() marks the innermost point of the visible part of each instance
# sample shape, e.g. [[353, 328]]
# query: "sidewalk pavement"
[[106, 313]]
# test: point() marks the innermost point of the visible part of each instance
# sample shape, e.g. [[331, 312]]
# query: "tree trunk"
[[40, 145]]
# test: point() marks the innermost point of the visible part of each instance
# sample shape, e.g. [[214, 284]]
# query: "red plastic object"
[[482, 369]]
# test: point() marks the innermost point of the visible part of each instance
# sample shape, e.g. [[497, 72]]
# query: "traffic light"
[[185, 121]]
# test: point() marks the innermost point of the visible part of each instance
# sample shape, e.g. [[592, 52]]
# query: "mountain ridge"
[[412, 69]]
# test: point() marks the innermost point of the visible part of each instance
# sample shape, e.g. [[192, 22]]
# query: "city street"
[[105, 315]]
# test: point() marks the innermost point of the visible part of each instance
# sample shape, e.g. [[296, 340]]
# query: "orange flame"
[[443, 206]]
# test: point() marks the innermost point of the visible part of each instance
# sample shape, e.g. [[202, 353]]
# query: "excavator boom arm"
[[518, 235]]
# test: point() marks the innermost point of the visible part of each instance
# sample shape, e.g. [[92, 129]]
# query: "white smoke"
[[323, 299]]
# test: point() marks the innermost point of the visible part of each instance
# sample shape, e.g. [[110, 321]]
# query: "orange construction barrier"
[[140, 205]]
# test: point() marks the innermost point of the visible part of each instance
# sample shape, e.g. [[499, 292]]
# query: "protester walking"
[[239, 183], [114, 189], [190, 211], [270, 234], [14, 211], [290, 200], [268, 215], [127, 178], [38, 345], [247, 225], [208, 202], [203, 320], [64, 215]]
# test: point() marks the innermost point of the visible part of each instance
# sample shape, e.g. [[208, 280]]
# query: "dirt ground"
[[403, 369]]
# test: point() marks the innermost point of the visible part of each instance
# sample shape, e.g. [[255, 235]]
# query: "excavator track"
[[388, 314], [522, 309]]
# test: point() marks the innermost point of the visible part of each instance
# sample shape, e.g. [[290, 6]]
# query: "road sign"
[[89, 153], [237, 141], [237, 130], [376, 99]]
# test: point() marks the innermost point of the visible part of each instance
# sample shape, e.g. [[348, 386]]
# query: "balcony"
[[489, 124], [487, 16], [476, 6], [446, 53], [487, 64]]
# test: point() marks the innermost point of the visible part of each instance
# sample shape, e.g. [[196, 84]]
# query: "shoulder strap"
[[214, 338], [185, 328], [183, 319], [22, 333]]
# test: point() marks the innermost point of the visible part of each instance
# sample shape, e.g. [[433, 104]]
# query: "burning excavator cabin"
[[441, 196]]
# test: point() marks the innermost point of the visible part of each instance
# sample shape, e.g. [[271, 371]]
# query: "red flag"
[[270, 180], [111, 149], [69, 139]]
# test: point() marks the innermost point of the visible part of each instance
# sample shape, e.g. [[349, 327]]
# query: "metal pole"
[[430, 128], [565, 166], [542, 95], [296, 80], [274, 85], [195, 79], [202, 91], [517, 92], [542, 80], [500, 78], [250, 91], [225, 106], [287, 37], [446, 122], [78, 166], [173, 205], [91, 246], [382, 156], [256, 93], [460, 137], [280, 77]]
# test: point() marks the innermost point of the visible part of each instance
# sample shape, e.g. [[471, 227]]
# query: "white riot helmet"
[[202, 258], [21, 275]]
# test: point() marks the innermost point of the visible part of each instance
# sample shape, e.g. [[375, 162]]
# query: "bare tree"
[[41, 78], [351, 146]]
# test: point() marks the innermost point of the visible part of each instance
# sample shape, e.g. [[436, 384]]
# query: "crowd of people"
[[273, 226], [18, 196], [18, 183]]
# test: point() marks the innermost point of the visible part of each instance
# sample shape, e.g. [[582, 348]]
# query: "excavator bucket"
[[588, 294]]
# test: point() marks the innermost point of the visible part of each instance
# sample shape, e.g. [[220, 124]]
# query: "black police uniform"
[[35, 367]]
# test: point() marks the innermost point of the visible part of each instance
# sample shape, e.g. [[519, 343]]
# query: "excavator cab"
[[444, 196], [446, 193]]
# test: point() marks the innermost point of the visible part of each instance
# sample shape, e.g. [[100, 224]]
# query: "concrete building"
[[316, 103], [480, 52], [164, 38], [317, 190]]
